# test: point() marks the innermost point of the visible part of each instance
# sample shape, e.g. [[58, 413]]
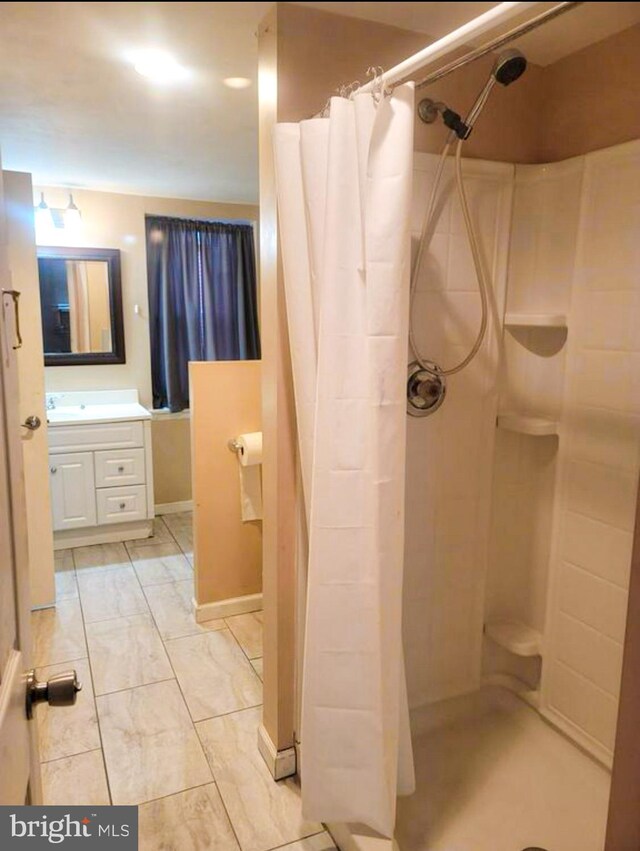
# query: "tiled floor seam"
[[95, 702], [69, 756], [131, 688], [295, 841], [171, 794], [222, 801], [228, 626], [193, 724]]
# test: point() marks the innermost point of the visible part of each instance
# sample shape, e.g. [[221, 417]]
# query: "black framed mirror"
[[81, 306]]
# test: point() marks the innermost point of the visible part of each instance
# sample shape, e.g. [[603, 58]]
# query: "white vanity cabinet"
[[100, 467], [72, 490]]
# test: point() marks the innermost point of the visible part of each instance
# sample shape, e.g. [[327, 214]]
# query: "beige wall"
[[319, 51], [24, 273], [587, 101], [592, 98], [111, 220], [225, 402], [171, 458]]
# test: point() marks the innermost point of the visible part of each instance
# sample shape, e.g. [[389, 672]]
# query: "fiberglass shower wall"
[[449, 454], [544, 538], [564, 506]]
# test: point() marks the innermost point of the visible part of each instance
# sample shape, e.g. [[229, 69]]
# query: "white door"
[[18, 195], [73, 492], [19, 773], [19, 761]]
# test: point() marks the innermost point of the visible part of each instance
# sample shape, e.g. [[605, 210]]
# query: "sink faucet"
[[52, 399]]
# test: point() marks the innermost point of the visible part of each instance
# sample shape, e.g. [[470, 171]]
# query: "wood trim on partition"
[[278, 426], [623, 827]]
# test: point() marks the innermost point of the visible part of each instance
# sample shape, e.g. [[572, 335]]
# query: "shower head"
[[509, 66]]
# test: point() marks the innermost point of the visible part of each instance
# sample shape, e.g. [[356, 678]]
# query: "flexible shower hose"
[[425, 238]]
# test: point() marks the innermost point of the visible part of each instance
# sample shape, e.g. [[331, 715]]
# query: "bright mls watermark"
[[92, 827]]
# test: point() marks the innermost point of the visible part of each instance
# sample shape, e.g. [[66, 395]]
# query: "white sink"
[[97, 413], [95, 407]]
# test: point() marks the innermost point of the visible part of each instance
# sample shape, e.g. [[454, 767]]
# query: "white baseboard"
[[111, 534], [228, 608], [174, 507], [281, 764]]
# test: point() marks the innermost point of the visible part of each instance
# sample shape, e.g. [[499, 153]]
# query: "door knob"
[[32, 423], [60, 690]]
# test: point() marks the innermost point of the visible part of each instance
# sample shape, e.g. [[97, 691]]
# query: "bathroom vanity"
[[100, 467]]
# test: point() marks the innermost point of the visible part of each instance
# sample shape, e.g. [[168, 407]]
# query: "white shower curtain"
[[344, 197]]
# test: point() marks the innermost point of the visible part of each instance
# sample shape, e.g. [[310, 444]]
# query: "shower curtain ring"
[[378, 89], [347, 91]]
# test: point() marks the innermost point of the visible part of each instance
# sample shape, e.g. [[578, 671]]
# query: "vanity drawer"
[[78, 437], [116, 467], [120, 505]]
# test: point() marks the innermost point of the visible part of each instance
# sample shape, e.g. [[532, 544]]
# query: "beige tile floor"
[[169, 710]]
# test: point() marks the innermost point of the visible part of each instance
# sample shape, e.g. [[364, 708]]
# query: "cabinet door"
[[73, 492]]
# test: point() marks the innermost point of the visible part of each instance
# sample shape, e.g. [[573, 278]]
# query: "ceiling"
[[74, 113]]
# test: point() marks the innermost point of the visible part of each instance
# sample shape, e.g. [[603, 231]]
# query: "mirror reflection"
[[81, 306], [74, 297]]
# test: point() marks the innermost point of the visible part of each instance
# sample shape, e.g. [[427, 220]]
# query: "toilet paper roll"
[[250, 451], [249, 460]]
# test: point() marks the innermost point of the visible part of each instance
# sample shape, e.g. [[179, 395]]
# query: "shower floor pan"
[[492, 775]]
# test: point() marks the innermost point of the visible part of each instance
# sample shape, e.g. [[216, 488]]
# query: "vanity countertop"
[[64, 415], [94, 407]]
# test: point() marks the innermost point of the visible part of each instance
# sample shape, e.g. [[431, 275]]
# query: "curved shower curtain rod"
[[406, 69]]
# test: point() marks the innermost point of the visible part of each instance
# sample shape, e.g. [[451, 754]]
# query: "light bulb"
[[72, 217], [159, 66]]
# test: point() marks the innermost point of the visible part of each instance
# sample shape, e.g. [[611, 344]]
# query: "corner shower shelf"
[[517, 638], [522, 424], [535, 320]]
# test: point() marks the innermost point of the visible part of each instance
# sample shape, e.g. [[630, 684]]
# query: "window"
[[202, 300]]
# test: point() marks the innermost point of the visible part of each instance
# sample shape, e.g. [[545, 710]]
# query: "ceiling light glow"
[[158, 66], [237, 82]]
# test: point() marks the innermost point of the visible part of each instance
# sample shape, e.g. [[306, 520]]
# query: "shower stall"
[[521, 501], [522, 461]]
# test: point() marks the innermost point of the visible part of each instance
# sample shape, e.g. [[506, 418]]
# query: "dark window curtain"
[[202, 300]]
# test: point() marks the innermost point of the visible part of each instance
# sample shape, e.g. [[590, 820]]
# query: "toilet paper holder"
[[235, 446]]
